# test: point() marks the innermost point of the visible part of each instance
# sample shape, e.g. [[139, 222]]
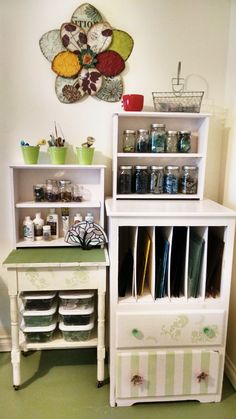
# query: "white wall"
[[229, 186], [164, 32]]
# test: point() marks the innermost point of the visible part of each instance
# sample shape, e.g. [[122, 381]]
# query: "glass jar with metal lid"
[[171, 179], [157, 179], [189, 180], [141, 179], [157, 138], [51, 190], [142, 141], [171, 142], [125, 180], [65, 190], [184, 141], [129, 137]]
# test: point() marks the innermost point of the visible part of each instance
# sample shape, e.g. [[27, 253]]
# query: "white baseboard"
[[230, 371], [5, 343]]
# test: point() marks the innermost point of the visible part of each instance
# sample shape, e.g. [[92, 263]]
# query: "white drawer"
[[36, 279], [163, 373], [193, 328]]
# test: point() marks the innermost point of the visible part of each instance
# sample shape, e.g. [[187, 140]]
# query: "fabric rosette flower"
[[88, 56]]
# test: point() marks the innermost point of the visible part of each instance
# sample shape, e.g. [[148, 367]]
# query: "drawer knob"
[[209, 332], [137, 333], [137, 380], [202, 376]]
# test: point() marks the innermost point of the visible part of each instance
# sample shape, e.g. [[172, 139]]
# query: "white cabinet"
[[23, 179], [168, 345], [196, 123]]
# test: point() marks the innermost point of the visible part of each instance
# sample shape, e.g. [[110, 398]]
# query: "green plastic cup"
[[30, 154], [58, 155], [85, 155]]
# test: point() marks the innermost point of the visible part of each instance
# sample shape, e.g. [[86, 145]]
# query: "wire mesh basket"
[[177, 101]]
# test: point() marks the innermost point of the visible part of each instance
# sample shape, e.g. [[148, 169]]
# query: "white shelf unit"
[[24, 177], [172, 347], [197, 123]]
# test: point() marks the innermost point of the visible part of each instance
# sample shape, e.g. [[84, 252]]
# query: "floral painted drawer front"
[[38, 279], [193, 328], [166, 373]]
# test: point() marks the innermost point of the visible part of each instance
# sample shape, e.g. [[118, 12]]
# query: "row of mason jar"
[[53, 190], [157, 140], [157, 179]]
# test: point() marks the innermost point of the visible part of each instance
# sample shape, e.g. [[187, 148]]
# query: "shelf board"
[[160, 155], [42, 243], [58, 166], [186, 115], [158, 196], [74, 204], [59, 343]]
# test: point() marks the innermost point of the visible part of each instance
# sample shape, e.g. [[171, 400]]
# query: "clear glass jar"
[[171, 142], [129, 141], [39, 193], [157, 138], [157, 179], [189, 180], [184, 141], [142, 141], [51, 190], [141, 179], [125, 180], [171, 179], [65, 190]]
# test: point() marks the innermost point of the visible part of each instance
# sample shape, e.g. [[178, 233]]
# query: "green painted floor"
[[61, 384]]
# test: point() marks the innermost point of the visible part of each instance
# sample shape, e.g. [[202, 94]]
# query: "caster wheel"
[[99, 384], [16, 388]]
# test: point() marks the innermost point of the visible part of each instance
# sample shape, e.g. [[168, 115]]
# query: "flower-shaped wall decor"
[[88, 56]]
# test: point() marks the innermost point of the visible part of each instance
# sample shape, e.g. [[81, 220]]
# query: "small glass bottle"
[[78, 218], [141, 179], [28, 229], [125, 180], [142, 141], [189, 180], [65, 191], [172, 142], [156, 179], [184, 141], [129, 141], [171, 179], [157, 138], [89, 217], [51, 190], [46, 232]]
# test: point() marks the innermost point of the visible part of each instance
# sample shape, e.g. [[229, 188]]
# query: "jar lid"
[[185, 132], [172, 132], [125, 167], [51, 181], [172, 167], [157, 167], [190, 167], [157, 125], [143, 131], [141, 167], [64, 182], [129, 131], [46, 228]]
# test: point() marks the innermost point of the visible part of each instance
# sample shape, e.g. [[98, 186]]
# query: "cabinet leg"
[[101, 338], [15, 352]]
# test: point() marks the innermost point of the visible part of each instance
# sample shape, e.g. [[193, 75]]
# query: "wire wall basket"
[[178, 100]]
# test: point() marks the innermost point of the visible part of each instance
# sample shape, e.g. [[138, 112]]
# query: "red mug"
[[132, 102]]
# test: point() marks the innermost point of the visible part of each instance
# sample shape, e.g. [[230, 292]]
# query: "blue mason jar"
[[157, 139], [171, 182], [141, 179]]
